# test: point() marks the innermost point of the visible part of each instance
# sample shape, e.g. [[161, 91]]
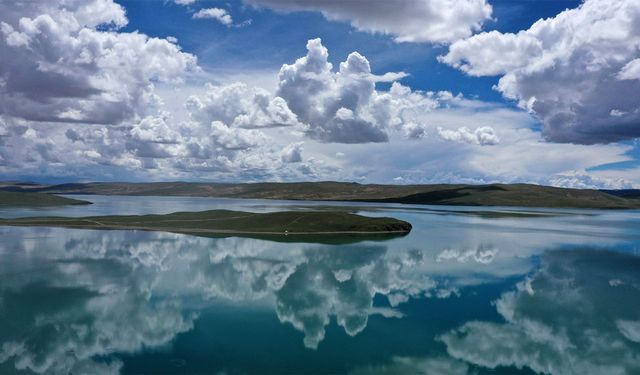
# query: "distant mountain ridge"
[[525, 195]]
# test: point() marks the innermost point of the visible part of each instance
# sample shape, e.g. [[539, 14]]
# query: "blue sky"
[[439, 91], [274, 39]]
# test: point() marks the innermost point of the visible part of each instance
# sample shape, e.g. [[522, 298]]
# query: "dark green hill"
[[15, 199], [517, 195], [624, 193], [526, 195]]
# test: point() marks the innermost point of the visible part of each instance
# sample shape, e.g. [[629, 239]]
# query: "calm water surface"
[[469, 291]]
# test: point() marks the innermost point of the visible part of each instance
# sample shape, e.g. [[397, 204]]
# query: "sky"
[[396, 92]]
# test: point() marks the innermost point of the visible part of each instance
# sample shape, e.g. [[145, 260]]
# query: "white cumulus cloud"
[[240, 105], [60, 64], [436, 21], [484, 135], [292, 153], [582, 179], [577, 71], [344, 106], [217, 14]]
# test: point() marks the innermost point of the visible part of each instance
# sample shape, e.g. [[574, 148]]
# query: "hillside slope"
[[21, 199], [517, 195], [526, 195]]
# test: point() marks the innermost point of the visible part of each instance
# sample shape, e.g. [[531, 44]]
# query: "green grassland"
[[306, 224], [14, 199], [524, 195]]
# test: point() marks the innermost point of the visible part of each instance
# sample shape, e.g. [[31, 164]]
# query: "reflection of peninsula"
[[293, 224]]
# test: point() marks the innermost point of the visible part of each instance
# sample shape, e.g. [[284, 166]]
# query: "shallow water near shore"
[[469, 290]]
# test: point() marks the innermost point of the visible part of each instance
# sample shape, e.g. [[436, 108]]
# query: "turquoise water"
[[469, 291]]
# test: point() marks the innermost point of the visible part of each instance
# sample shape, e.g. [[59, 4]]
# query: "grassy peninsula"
[[22, 199], [524, 195], [237, 223]]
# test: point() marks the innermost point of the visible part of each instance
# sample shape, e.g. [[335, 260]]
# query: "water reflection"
[[342, 282], [82, 303], [578, 314], [76, 295], [481, 294], [411, 365]]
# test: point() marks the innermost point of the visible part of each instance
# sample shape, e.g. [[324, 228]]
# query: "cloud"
[[292, 153], [582, 179], [156, 147], [234, 139], [434, 21], [344, 106], [351, 129], [630, 71], [61, 65], [330, 102], [483, 136], [217, 14], [241, 106], [577, 71], [184, 2], [162, 147], [389, 77]]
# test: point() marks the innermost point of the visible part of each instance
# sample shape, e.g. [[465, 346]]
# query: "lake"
[[469, 291]]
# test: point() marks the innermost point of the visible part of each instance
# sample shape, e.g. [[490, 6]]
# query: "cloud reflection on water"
[[568, 318], [75, 295], [69, 299]]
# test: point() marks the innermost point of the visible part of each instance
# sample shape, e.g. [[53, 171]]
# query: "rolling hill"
[[525, 195], [29, 199]]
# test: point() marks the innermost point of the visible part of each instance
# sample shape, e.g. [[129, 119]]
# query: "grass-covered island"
[[14, 199], [292, 224]]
